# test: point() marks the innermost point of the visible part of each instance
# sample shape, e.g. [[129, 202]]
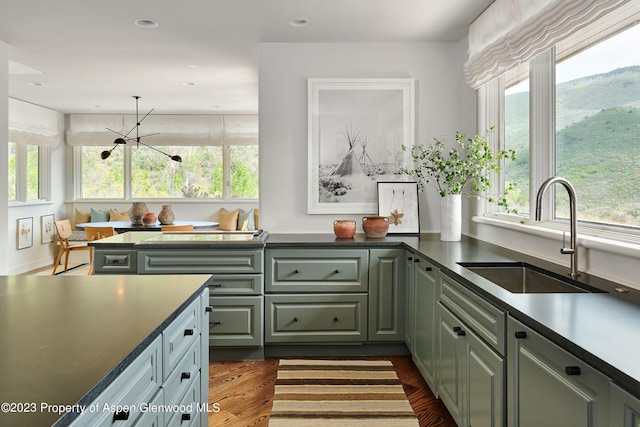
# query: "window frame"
[[44, 175], [127, 173]]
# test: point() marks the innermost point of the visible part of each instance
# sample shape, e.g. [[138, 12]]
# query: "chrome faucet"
[[573, 219]]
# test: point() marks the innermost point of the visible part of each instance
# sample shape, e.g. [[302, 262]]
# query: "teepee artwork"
[[350, 167]]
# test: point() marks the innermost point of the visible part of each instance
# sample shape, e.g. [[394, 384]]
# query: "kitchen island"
[[66, 340]]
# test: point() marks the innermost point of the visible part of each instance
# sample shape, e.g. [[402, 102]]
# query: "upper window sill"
[[627, 244]]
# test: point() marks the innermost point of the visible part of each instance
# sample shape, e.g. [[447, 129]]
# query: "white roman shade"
[[176, 129], [32, 124], [511, 32]]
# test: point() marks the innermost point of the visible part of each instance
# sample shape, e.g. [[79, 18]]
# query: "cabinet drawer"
[[135, 386], [318, 270], [179, 336], [114, 261], [236, 321], [316, 318], [199, 261], [236, 284], [188, 413], [184, 374], [488, 321]]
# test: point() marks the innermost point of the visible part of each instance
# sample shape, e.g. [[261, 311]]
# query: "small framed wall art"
[[399, 201], [25, 232], [46, 227]]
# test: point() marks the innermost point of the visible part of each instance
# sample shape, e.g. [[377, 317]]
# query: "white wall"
[[4, 152], [444, 105]]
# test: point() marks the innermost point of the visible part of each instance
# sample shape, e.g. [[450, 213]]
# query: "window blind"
[[32, 124]]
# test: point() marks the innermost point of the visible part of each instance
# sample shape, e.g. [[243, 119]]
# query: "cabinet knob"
[[121, 416], [295, 319], [572, 370], [208, 308], [185, 417], [335, 319], [188, 332], [337, 271], [296, 271], [521, 334]]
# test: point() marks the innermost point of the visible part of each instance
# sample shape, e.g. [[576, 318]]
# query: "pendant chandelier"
[[124, 138]]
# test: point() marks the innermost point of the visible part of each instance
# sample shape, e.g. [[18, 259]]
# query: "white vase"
[[451, 218]]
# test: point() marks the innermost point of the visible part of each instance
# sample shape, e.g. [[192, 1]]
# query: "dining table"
[[124, 226]]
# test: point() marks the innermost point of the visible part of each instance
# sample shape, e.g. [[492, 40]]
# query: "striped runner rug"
[[339, 393]]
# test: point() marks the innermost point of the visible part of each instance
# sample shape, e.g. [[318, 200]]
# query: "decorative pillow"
[[80, 217], [228, 219], [248, 216], [99, 216], [116, 215]]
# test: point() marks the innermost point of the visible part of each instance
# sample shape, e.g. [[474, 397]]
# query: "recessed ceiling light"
[[34, 84], [297, 22], [188, 84], [146, 23]]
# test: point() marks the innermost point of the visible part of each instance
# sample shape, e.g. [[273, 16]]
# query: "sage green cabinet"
[[236, 321], [114, 261], [409, 306], [547, 386], [192, 261], [424, 354], [624, 409], [386, 294], [471, 375]]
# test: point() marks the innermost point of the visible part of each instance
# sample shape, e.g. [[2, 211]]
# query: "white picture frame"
[[24, 233], [356, 130], [47, 228]]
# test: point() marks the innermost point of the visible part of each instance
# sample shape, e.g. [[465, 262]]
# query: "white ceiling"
[[89, 56]]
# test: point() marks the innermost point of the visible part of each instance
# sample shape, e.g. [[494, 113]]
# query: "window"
[[24, 174], [597, 129], [516, 137], [205, 172]]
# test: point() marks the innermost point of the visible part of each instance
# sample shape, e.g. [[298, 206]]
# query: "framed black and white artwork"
[[357, 128], [399, 202]]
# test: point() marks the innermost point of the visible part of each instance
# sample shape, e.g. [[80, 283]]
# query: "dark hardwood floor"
[[244, 393]]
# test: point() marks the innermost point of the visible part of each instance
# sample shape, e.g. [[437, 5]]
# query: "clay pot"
[[344, 228], [149, 219], [375, 227], [166, 215], [137, 211]]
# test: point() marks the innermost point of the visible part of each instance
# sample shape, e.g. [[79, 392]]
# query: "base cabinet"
[[425, 294], [386, 294], [471, 374], [549, 387], [624, 409]]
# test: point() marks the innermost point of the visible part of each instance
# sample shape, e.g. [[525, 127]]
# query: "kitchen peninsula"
[[578, 350], [78, 350]]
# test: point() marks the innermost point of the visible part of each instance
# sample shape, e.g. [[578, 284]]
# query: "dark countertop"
[[182, 240], [600, 328], [65, 338]]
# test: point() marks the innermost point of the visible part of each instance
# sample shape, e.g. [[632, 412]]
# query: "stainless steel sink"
[[523, 278]]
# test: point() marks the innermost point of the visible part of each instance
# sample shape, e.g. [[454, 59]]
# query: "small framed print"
[[46, 227], [399, 201], [25, 233]]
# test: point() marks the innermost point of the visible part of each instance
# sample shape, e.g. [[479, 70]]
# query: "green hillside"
[[598, 143]]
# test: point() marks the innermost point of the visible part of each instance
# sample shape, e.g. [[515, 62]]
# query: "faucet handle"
[[563, 249]]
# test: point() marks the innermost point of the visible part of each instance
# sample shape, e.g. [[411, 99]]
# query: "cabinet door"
[[548, 386], [236, 321], [451, 354], [624, 409], [425, 333], [386, 295], [409, 307], [486, 384]]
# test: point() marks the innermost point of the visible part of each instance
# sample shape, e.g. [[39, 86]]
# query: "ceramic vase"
[[166, 215], [344, 228], [451, 218], [137, 211], [375, 227], [149, 218]]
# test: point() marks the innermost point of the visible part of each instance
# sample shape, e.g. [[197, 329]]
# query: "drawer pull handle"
[[218, 285], [185, 417], [296, 271], [521, 334], [572, 370], [295, 319], [185, 375], [416, 260], [428, 269], [208, 309], [457, 328], [188, 332], [121, 416], [337, 271], [409, 258], [217, 323], [335, 319], [461, 333]]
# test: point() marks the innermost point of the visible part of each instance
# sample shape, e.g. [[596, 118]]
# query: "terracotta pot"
[[137, 211], [166, 215], [375, 227], [344, 228], [149, 219]]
